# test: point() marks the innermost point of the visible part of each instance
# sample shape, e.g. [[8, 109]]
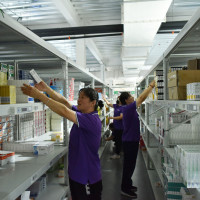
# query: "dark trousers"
[[79, 191], [130, 157], [118, 141]]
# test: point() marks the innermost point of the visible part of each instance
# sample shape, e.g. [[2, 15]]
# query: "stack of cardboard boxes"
[[177, 80]]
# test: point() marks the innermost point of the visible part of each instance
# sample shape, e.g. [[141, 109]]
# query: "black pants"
[[118, 141], [78, 191], [130, 157]]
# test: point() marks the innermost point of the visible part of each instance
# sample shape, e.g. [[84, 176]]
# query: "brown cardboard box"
[[194, 64], [177, 93], [183, 77]]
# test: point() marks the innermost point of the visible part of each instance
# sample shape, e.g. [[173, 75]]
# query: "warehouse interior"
[[112, 46], [127, 53]]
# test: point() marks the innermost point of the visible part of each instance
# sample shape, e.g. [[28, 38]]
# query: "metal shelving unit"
[[186, 46], [17, 177]]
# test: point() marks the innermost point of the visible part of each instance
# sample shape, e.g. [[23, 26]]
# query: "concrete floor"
[[111, 176]]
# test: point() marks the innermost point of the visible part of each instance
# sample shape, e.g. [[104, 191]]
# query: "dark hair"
[[124, 96], [117, 102], [111, 126], [91, 94], [100, 104]]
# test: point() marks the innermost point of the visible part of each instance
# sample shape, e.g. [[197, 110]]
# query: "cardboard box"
[[194, 64], [183, 77], [177, 93]]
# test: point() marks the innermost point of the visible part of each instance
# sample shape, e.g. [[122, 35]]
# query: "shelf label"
[[34, 178]]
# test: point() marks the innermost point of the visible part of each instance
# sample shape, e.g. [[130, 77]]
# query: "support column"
[[165, 71], [81, 53], [93, 83], [65, 121]]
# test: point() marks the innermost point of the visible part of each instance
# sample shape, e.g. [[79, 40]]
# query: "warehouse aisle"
[[111, 175]]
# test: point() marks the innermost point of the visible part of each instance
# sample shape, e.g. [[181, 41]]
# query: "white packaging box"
[[44, 148]]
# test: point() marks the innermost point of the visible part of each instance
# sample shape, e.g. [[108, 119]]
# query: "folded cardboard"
[[177, 93], [194, 64], [183, 77]]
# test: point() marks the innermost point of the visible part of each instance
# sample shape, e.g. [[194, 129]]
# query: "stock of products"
[[7, 127], [20, 97], [193, 91], [8, 94], [6, 157], [188, 164], [178, 80], [159, 86]]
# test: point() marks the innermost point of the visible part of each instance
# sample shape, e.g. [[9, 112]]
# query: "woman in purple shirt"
[[85, 136], [131, 137], [118, 126]]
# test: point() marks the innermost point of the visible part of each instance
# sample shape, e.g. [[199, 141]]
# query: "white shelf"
[[156, 160], [153, 177], [151, 128], [193, 106], [101, 118], [16, 178], [15, 109], [170, 152], [55, 189]]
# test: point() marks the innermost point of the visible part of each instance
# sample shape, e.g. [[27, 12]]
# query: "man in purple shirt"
[[131, 137], [84, 163]]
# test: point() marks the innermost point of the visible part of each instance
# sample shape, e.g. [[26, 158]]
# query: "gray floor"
[[111, 175]]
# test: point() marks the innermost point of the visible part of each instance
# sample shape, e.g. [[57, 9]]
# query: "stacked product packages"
[[20, 97], [7, 93], [6, 157], [159, 86], [187, 158], [37, 148], [172, 183], [193, 91], [39, 123], [6, 129], [185, 133]]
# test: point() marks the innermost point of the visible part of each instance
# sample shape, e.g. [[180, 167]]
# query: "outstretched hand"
[[42, 86], [152, 84], [30, 91]]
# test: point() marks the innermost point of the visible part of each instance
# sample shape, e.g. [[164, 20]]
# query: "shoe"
[[129, 194], [115, 156], [133, 188]]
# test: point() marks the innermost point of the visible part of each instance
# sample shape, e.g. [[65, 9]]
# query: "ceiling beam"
[[68, 11]]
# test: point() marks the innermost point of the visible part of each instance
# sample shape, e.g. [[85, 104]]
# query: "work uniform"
[[118, 128], [84, 163], [130, 140]]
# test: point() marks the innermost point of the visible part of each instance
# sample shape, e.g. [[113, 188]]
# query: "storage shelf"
[[170, 152], [55, 189], [153, 154], [22, 108], [17, 177], [153, 177], [151, 128], [193, 106]]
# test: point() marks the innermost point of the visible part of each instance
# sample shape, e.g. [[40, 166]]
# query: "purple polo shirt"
[[117, 111], [84, 162], [131, 123]]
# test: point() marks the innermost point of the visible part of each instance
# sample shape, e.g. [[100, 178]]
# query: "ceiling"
[[106, 57]]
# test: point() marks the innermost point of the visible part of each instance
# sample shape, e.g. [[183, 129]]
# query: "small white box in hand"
[[35, 76]]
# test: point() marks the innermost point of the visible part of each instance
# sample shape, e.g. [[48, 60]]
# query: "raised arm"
[[107, 102], [145, 94], [42, 86], [55, 106]]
